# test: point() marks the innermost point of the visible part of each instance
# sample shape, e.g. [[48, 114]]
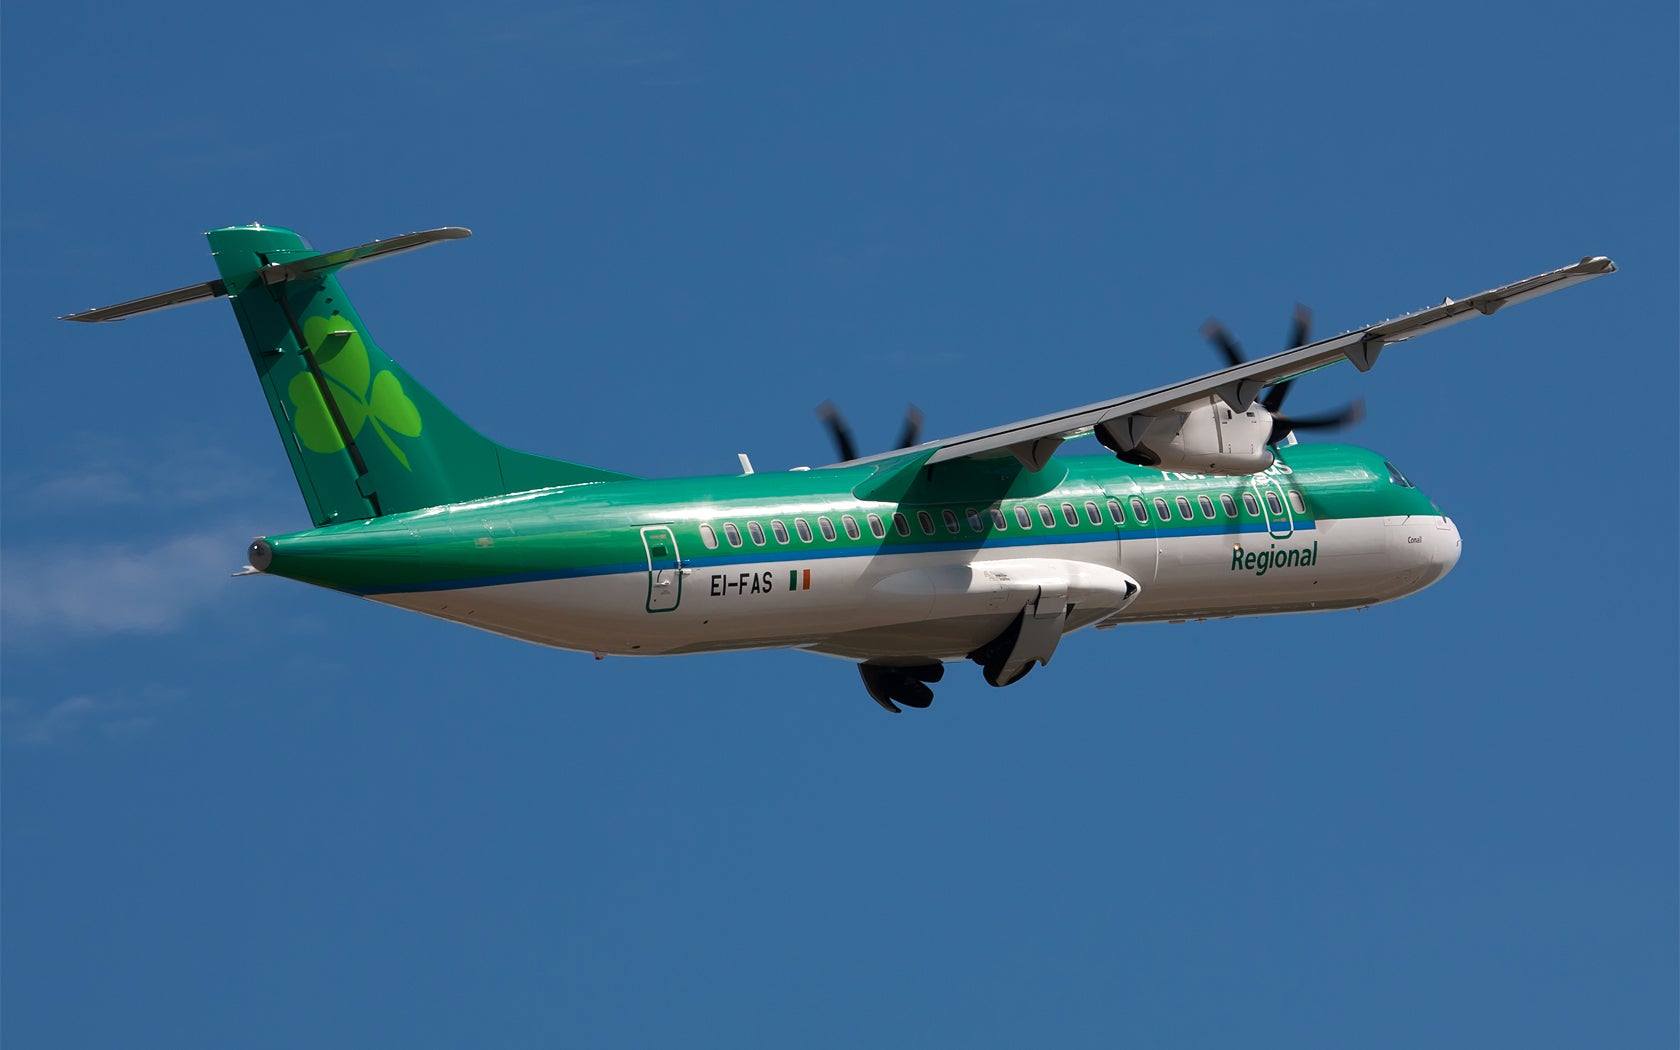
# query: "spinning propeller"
[[842, 434], [1272, 399]]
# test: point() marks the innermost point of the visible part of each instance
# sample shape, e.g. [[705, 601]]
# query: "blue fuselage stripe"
[[765, 555]]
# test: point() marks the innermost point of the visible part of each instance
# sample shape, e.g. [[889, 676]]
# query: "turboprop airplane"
[[986, 547]]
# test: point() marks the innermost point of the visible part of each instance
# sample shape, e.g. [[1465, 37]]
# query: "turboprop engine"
[[1205, 438], [1211, 437]]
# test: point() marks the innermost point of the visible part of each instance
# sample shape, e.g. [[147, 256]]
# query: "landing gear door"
[[664, 568]]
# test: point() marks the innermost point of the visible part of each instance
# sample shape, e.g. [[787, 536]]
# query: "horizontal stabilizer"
[[298, 269], [192, 293], [361, 253]]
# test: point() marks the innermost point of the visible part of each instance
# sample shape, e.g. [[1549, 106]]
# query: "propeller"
[[846, 445], [1272, 398]]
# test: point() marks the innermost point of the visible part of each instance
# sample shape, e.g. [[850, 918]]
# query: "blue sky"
[[245, 812]]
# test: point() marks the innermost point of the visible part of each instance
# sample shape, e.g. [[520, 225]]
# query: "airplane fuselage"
[[795, 559]]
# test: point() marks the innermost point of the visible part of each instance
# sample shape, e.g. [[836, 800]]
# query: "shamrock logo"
[[343, 358]]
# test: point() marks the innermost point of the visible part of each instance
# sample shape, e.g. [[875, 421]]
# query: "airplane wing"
[[1034, 441]]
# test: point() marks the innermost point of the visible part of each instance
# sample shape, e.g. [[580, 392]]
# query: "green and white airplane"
[[986, 547]]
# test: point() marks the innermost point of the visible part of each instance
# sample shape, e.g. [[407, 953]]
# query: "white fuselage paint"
[[871, 606]]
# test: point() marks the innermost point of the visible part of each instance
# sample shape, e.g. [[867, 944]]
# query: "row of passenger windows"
[[1000, 521]]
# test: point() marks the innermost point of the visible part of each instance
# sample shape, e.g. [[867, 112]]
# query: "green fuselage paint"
[[568, 568]]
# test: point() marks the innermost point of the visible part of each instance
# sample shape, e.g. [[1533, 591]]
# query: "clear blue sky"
[[242, 812]]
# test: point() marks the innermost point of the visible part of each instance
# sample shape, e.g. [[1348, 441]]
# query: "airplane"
[[987, 547]]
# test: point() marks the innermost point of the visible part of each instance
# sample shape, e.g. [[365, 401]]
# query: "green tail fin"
[[364, 438]]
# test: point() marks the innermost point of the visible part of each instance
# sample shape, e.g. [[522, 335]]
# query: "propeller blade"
[[1219, 337], [1275, 395], [1299, 336], [912, 432], [838, 430], [1302, 335]]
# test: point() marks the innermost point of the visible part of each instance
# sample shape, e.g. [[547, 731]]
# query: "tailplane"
[[365, 439]]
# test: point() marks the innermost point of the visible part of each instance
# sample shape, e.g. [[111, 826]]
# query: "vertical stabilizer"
[[364, 438]]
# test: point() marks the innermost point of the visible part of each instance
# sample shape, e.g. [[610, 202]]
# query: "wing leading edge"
[[1034, 441]]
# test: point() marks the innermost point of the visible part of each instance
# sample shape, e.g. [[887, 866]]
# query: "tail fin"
[[365, 439]]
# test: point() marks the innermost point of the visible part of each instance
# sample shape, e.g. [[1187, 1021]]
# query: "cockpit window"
[[1395, 476]]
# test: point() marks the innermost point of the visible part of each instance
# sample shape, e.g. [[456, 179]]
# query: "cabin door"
[[1274, 504], [664, 568]]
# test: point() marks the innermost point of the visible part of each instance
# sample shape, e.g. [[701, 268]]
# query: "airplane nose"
[[1445, 547]]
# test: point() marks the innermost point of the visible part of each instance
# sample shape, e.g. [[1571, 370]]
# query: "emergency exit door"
[[664, 568]]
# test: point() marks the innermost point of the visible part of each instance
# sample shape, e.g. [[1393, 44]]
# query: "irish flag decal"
[[799, 580]]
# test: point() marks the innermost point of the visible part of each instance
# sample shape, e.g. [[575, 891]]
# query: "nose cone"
[[1442, 549]]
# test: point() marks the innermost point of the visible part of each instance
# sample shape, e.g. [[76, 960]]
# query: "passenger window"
[[1092, 513], [901, 524], [999, 519], [1161, 510], [803, 527], [733, 534], [1183, 508], [1115, 512], [852, 530], [1140, 511], [1229, 504], [1022, 516], [780, 530], [827, 528], [877, 526], [1070, 515], [925, 520], [756, 531], [974, 522], [1274, 503], [1297, 502], [951, 524], [708, 536], [1251, 504], [1046, 515], [1206, 505]]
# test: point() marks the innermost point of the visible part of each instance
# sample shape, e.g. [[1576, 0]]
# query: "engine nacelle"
[[1208, 438]]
